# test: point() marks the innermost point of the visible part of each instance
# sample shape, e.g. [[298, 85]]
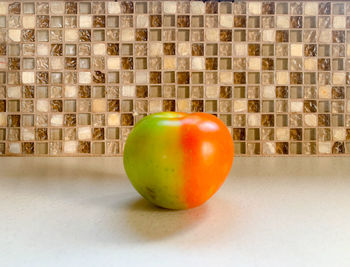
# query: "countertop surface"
[[84, 212]]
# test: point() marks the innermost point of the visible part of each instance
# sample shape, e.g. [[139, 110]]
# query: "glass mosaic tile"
[[76, 76]]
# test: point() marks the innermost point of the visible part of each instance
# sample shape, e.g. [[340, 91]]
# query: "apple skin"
[[178, 160]]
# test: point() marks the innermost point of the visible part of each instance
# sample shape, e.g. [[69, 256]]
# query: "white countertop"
[[84, 212]]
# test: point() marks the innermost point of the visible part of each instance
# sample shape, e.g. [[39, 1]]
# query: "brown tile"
[[310, 106], [71, 7], [268, 64], [70, 63], [282, 148], [239, 78], [155, 77], [211, 7], [127, 63], [84, 147], [3, 49], [99, 22], [324, 120], [98, 77], [338, 148], [56, 105], [168, 105], [70, 120], [41, 134], [155, 20], [127, 120], [28, 91], [296, 134], [324, 64], [43, 21], [347, 134], [183, 78], [169, 48], [211, 63], [338, 36], [28, 148], [296, 22], [268, 8], [254, 49], [282, 36], [113, 105], [56, 49], [2, 105], [225, 91], [127, 7], [14, 63], [238, 134], [28, 35], [84, 35], [324, 8], [141, 35], [112, 49], [85, 91], [338, 92], [14, 8], [296, 77], [267, 120], [282, 91], [253, 106], [197, 49], [13, 120], [310, 50], [226, 35], [42, 77], [240, 21], [141, 91], [197, 106], [98, 133]]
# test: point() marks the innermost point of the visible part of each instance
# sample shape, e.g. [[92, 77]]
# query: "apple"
[[178, 160]]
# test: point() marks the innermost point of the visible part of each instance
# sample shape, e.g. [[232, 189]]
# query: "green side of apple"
[[153, 160]]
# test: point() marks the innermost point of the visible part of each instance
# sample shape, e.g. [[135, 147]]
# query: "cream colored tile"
[[128, 35], [282, 134], [28, 21], [113, 119], [197, 7], [282, 21], [240, 50], [310, 64], [85, 77], [198, 63], [226, 21], [268, 91], [113, 7], [254, 63], [296, 106], [212, 35], [311, 8], [99, 105], [212, 91], [282, 77], [296, 50], [254, 8], [14, 35], [240, 105], [310, 120], [71, 35], [226, 77]]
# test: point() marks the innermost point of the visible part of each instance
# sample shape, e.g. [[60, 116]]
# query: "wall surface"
[[75, 77]]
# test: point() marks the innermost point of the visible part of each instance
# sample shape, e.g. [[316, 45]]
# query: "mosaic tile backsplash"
[[75, 77]]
